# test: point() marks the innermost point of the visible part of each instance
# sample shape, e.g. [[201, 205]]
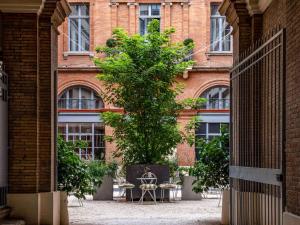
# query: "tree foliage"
[[139, 74], [212, 169]]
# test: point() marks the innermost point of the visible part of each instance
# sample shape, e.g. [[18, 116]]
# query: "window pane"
[[75, 10], [86, 128], [74, 128], [142, 26], [74, 36], [155, 10], [85, 34], [214, 10], [144, 10], [201, 129], [214, 128], [84, 10]]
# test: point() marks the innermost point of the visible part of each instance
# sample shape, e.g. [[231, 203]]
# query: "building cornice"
[[97, 70]]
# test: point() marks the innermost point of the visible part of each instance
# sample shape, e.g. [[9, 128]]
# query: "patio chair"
[[149, 185], [167, 186], [123, 186]]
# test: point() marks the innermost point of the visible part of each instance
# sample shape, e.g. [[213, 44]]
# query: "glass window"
[[79, 28], [91, 133], [148, 12], [80, 98], [219, 31], [207, 131], [216, 98]]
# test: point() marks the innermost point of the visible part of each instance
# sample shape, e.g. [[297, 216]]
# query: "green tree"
[[139, 74]]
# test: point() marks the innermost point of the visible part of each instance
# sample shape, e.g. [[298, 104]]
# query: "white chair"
[[123, 186], [148, 185]]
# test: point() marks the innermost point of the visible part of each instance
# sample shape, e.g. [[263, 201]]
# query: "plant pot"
[[64, 214], [105, 191], [187, 189], [225, 219], [136, 171]]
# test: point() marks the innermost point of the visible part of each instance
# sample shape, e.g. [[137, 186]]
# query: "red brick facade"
[[191, 19]]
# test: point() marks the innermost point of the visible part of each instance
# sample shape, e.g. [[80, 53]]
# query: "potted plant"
[[102, 175], [212, 169], [139, 76], [73, 176]]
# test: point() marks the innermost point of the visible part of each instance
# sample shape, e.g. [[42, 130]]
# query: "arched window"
[[80, 98], [217, 97]]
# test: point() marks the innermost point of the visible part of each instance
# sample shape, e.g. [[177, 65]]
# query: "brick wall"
[[293, 107], [28, 58]]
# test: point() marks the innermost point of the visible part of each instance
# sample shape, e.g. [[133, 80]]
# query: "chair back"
[[150, 178]]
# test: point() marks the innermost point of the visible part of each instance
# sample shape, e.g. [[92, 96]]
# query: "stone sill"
[[219, 53], [66, 54]]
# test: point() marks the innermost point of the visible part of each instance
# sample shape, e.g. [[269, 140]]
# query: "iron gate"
[[257, 132], [3, 135]]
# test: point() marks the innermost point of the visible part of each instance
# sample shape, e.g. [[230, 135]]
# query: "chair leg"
[[154, 193], [131, 194]]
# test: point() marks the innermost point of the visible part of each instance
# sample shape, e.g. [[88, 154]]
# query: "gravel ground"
[[204, 212]]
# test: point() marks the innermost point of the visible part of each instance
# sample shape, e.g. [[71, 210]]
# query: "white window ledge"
[[66, 54], [219, 53]]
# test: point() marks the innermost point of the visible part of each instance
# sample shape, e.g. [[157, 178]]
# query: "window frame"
[[92, 98], [149, 16], [219, 18], [69, 136], [222, 102], [79, 17]]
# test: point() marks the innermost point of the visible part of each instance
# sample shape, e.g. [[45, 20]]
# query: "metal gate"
[[257, 132], [3, 135]]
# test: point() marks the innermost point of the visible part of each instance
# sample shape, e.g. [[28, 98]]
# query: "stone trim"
[[290, 219]]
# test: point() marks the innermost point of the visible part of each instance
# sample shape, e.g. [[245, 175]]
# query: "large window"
[[148, 12], [79, 28], [219, 31], [80, 98], [207, 131], [92, 133], [216, 98]]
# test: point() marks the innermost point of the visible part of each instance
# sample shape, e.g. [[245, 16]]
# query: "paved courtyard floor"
[[204, 212]]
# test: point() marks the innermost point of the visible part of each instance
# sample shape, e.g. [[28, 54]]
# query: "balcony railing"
[[216, 104], [72, 103]]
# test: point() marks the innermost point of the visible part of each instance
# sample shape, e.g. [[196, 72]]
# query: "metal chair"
[[123, 186], [148, 185]]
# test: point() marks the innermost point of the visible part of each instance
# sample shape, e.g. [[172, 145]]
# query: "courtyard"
[[204, 212]]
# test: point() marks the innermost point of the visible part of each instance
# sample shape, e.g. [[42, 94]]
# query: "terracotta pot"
[[225, 219], [64, 214]]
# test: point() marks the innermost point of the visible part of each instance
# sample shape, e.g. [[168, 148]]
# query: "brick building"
[[265, 157], [91, 24], [28, 59]]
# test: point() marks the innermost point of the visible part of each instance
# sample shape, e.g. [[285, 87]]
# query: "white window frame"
[[149, 16], [70, 137], [79, 17], [220, 99], [92, 97], [221, 23]]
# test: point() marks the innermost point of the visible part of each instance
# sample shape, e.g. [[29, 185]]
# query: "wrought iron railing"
[[215, 103], [73, 103]]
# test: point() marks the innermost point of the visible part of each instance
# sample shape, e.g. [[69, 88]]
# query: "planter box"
[[187, 189], [136, 171], [105, 191]]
